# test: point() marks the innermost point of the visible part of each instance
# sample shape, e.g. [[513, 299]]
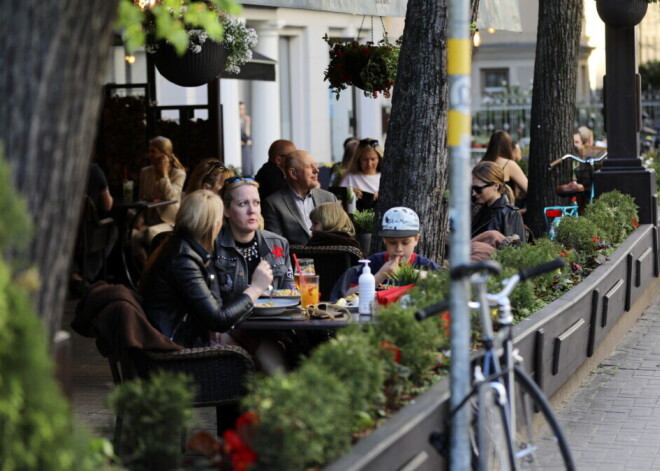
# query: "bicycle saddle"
[[569, 189]]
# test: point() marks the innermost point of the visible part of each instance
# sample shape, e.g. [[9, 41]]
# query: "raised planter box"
[[554, 341]]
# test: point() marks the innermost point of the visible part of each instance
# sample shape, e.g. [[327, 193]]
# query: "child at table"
[[400, 232]]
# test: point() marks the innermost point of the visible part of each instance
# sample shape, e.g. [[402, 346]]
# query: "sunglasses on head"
[[479, 189], [239, 179], [369, 142], [213, 166]]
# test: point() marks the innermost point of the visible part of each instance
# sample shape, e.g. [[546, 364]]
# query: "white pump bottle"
[[366, 288]]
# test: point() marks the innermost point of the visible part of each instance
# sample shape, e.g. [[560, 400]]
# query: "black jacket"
[[270, 179], [500, 216], [182, 298]]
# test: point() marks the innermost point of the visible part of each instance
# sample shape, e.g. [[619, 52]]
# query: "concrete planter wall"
[[554, 341]]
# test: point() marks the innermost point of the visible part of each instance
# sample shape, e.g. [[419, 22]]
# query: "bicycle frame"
[[553, 214]]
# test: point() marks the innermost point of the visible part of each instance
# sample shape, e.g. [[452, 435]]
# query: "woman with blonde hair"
[[331, 226], [363, 174], [180, 292], [209, 174], [162, 180], [494, 195], [242, 245]]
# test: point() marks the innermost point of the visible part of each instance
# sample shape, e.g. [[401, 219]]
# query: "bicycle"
[[503, 398], [575, 190]]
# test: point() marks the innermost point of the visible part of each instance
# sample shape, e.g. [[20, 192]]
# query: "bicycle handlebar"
[[554, 163], [493, 268]]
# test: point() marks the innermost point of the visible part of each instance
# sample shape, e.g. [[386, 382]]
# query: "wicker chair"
[[219, 372], [330, 262]]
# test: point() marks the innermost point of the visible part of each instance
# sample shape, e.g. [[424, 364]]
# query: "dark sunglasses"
[[479, 189], [213, 166], [369, 142], [239, 179]]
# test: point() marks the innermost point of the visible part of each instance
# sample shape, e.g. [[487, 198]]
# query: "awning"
[[259, 67], [498, 14], [357, 7]]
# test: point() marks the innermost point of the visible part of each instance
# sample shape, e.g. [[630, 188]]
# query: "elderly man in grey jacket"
[[286, 212]]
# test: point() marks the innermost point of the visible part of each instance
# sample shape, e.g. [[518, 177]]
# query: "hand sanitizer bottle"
[[366, 288]]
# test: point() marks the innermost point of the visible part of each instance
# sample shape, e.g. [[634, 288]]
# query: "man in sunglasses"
[[286, 212], [271, 174]]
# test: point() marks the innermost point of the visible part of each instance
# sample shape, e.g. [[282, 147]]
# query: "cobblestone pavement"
[[612, 421]]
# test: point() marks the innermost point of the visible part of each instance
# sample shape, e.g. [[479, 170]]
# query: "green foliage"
[[371, 66], [615, 215], [352, 358], [36, 430], [170, 24], [304, 418], [580, 234], [405, 275], [151, 410], [364, 221], [650, 72]]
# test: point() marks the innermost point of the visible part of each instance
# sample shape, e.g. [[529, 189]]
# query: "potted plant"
[[203, 58], [618, 14], [371, 66], [364, 227]]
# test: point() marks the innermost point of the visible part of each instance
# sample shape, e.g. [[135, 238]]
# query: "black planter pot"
[[621, 14], [191, 69]]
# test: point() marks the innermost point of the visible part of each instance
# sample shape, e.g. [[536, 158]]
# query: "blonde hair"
[[227, 193], [199, 212], [362, 148], [208, 172], [164, 145], [490, 172], [333, 218]]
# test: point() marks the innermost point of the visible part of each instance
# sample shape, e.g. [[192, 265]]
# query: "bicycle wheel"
[[538, 440], [491, 442]]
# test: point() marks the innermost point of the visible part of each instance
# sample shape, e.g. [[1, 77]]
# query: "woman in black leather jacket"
[[181, 297], [496, 213]]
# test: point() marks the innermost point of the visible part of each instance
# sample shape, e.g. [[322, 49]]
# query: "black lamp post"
[[623, 170]]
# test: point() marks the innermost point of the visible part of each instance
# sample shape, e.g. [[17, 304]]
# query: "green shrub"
[[405, 275], [353, 359], [615, 215], [304, 418], [580, 234], [364, 221], [151, 411]]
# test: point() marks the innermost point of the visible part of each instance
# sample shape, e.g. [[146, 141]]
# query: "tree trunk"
[[415, 167], [53, 60], [553, 105]]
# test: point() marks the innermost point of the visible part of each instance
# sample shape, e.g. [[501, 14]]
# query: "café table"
[[122, 210], [295, 319]]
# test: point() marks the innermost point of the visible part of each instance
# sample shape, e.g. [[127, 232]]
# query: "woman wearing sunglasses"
[[243, 248], [209, 174], [494, 196], [363, 174]]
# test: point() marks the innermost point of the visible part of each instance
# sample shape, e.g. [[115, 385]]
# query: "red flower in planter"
[[596, 239], [390, 346], [563, 253], [635, 223], [445, 322]]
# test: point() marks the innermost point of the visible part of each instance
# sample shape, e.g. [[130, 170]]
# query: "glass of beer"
[[307, 267]]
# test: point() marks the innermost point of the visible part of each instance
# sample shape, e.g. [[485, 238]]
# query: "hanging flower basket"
[[621, 14], [371, 66], [191, 69]]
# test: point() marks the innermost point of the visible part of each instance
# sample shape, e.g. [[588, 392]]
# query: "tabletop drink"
[[127, 191], [309, 291], [307, 267]]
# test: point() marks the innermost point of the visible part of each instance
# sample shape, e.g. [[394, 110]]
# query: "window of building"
[[494, 81]]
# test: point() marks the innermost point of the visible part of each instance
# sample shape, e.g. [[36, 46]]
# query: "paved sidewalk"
[[612, 421]]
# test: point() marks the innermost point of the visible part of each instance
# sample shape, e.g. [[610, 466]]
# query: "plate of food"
[[283, 294], [273, 306], [352, 302]]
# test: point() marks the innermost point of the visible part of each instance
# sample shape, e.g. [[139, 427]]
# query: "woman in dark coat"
[[496, 213]]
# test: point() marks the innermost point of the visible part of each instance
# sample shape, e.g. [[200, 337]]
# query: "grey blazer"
[[281, 214]]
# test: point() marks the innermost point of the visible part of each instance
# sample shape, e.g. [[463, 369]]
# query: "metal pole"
[[458, 141]]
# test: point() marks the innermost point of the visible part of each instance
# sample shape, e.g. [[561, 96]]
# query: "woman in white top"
[[363, 174], [162, 180]]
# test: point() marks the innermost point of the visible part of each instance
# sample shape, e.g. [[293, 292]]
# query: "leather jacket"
[[501, 216], [182, 298], [232, 269]]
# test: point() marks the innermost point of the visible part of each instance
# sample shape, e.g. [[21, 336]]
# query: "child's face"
[[401, 247]]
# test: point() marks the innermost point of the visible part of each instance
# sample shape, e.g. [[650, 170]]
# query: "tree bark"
[[553, 105], [415, 167], [53, 60]]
